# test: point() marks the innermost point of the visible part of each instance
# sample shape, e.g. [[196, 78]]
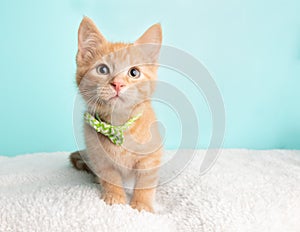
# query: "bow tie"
[[114, 133]]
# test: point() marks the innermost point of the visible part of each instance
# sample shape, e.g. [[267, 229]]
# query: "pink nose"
[[117, 85]]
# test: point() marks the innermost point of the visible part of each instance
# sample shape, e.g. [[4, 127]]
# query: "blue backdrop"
[[251, 48]]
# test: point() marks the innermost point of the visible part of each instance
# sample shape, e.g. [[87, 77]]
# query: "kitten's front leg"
[[145, 187], [112, 189], [142, 199]]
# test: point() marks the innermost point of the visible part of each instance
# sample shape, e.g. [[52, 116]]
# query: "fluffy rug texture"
[[245, 190]]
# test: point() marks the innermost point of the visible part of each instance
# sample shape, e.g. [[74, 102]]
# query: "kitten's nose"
[[117, 85]]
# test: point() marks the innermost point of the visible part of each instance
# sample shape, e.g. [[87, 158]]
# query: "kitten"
[[116, 81]]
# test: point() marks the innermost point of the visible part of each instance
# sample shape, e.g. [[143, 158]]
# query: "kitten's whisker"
[[91, 97], [92, 102], [96, 102], [85, 91]]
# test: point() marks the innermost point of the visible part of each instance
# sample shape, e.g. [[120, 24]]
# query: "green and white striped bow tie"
[[114, 133]]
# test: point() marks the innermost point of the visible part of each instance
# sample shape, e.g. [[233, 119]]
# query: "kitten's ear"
[[152, 36], [89, 40]]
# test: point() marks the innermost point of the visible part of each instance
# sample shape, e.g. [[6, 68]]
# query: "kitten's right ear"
[[89, 40]]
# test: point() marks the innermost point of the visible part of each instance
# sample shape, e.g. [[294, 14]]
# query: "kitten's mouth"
[[115, 98]]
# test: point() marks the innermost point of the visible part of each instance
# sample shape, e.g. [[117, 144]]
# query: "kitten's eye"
[[134, 73], [103, 69]]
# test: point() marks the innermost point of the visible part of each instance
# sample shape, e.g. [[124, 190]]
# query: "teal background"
[[251, 48]]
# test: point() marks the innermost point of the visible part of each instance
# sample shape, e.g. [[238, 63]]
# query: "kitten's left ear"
[[153, 36]]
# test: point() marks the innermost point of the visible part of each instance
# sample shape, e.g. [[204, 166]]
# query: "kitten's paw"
[[78, 162], [142, 206], [111, 199]]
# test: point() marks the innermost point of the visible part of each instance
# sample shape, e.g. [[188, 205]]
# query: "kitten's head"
[[116, 76]]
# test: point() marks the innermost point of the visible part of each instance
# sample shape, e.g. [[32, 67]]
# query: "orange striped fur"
[[141, 153]]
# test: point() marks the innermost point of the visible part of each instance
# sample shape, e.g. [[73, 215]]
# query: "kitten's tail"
[[78, 162]]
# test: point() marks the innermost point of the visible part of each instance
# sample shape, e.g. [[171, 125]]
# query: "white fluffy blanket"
[[245, 190]]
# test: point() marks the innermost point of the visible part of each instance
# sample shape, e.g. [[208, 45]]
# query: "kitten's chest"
[[120, 156], [138, 142]]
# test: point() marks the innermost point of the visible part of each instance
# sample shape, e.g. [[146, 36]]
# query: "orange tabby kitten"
[[116, 81]]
